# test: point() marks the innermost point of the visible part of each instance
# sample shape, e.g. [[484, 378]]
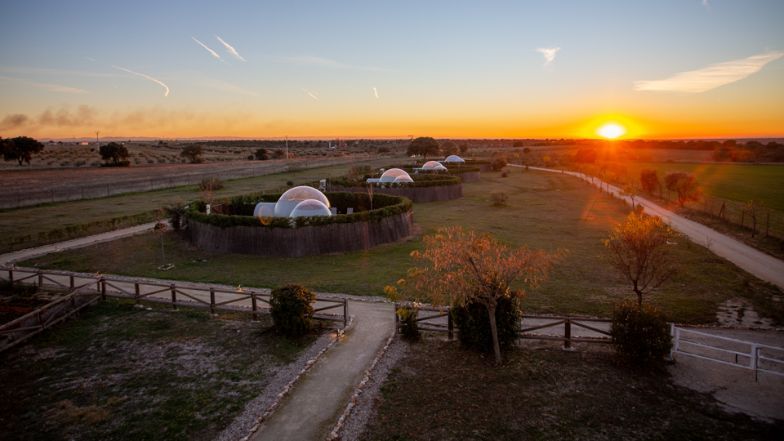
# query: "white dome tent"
[[292, 197], [309, 208], [392, 174], [454, 159], [403, 179], [433, 166]]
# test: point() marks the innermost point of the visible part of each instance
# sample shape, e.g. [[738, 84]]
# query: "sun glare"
[[611, 131]]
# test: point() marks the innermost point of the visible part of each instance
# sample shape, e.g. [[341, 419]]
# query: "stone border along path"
[[761, 265]]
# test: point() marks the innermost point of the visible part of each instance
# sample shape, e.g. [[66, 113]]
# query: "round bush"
[[473, 324], [409, 329], [640, 336], [292, 310]]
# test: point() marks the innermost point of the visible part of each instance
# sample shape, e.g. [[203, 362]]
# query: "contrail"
[[212, 52], [230, 48], [311, 94], [375, 92], [146, 77]]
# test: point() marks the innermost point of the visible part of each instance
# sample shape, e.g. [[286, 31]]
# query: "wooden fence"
[[97, 286], [436, 319]]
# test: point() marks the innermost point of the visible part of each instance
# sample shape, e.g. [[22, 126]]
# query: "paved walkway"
[[315, 403], [764, 266]]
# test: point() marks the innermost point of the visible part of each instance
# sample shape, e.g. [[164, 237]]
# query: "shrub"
[[409, 329], [640, 335], [649, 180], [498, 164], [499, 198], [210, 184], [292, 310], [176, 215], [473, 324]]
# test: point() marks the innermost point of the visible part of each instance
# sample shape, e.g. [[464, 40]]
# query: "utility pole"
[[97, 141], [287, 147]]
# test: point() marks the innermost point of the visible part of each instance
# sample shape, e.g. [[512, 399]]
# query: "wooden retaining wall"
[[302, 241], [416, 194]]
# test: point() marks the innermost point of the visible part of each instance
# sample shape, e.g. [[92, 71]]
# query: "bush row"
[[420, 180]]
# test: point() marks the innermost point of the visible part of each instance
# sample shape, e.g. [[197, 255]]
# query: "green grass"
[[545, 210], [32, 226], [120, 372], [737, 182], [439, 391]]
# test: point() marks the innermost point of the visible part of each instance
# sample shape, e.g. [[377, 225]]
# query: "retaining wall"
[[302, 241]]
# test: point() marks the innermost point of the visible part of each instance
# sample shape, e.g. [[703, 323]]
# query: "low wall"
[[302, 241], [416, 194], [470, 176]]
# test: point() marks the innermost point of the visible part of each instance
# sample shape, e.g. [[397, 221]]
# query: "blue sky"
[[442, 67]]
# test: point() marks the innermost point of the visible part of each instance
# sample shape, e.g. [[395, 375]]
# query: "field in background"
[[545, 211], [31, 226], [736, 182], [122, 372]]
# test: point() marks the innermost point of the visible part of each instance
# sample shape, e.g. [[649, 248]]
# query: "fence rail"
[[728, 351], [439, 319], [100, 286]]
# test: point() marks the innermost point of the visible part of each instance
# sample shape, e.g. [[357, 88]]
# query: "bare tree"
[[639, 251]]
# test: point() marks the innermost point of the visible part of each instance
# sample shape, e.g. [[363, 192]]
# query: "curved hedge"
[[238, 211], [238, 231]]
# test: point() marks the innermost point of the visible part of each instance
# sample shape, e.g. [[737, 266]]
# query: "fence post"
[[136, 292], [397, 319], [103, 288], [254, 306], [212, 301], [345, 313], [567, 334], [40, 280], [10, 277], [450, 326], [71, 281], [173, 295]]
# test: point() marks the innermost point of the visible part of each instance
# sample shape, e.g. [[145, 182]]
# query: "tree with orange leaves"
[[459, 267]]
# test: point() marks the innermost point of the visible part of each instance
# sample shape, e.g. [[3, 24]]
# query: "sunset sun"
[[611, 131]]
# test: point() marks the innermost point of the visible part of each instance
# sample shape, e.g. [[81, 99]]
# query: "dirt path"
[[764, 266]]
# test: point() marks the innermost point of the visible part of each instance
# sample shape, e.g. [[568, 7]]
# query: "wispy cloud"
[[308, 60], [207, 48], [548, 53], [230, 49], [59, 88], [310, 94], [55, 72], [146, 77], [375, 92], [711, 77]]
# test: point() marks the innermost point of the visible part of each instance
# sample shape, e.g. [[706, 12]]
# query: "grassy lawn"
[[120, 372], [737, 182], [439, 391], [545, 211], [32, 226]]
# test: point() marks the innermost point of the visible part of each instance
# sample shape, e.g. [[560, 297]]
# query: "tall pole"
[[97, 141], [287, 147]]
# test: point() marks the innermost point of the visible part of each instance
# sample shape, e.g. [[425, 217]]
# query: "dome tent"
[[292, 197], [309, 208], [393, 174], [433, 166], [403, 179], [454, 159]]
